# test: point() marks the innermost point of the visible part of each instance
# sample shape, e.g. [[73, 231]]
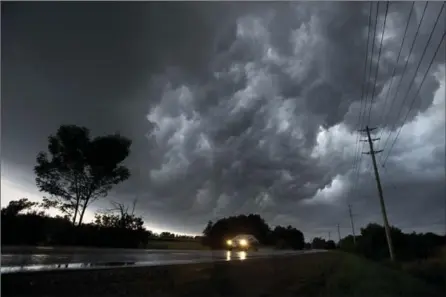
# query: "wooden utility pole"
[[351, 222], [339, 234], [380, 190]]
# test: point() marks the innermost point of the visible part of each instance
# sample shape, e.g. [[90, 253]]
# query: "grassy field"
[[324, 274]]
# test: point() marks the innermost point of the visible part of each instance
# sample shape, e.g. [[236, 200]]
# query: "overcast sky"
[[234, 107]]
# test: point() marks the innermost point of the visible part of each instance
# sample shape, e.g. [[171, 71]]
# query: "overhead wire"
[[376, 72], [396, 63], [358, 155], [413, 100], [404, 70], [377, 66], [371, 58], [413, 79], [362, 114]]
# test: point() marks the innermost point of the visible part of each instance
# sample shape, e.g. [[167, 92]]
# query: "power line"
[[371, 57], [397, 60], [362, 111], [414, 98], [413, 79], [379, 57], [358, 155], [405, 67]]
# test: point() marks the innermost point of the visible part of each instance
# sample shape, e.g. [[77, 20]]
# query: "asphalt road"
[[38, 259]]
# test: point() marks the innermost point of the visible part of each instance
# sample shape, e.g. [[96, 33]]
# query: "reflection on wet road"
[[108, 258]]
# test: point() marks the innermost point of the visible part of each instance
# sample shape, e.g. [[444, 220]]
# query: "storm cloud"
[[238, 107]]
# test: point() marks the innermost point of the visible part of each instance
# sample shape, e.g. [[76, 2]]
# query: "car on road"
[[243, 242]]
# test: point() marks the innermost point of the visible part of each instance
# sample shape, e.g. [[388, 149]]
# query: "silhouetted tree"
[[330, 245], [215, 234], [15, 207], [126, 221], [318, 243], [167, 235], [20, 227], [208, 228], [288, 237], [207, 233], [232, 226], [372, 244], [21, 224], [80, 170], [347, 243], [120, 217]]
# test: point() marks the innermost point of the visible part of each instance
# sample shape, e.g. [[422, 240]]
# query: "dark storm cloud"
[[89, 64], [314, 77], [233, 107]]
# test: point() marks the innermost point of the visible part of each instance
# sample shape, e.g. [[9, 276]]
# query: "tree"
[[123, 219], [288, 237], [167, 235], [208, 229], [318, 243], [14, 207], [215, 234], [205, 240], [330, 245], [79, 170]]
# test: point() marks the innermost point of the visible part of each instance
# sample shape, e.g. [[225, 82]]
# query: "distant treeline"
[[215, 234], [372, 244], [21, 224]]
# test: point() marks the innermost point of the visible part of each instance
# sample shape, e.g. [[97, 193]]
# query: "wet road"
[[38, 259]]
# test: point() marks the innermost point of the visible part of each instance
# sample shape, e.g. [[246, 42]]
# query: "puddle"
[[79, 265], [103, 265], [12, 269]]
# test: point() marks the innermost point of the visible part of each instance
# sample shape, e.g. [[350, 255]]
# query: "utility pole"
[[380, 190], [339, 234], [351, 221], [329, 235]]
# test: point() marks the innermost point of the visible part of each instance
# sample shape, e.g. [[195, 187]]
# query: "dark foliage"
[[120, 217], [288, 237], [322, 244], [36, 228], [78, 170], [215, 234], [373, 245], [17, 206]]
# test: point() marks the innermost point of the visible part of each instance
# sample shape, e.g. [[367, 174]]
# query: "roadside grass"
[[432, 270], [322, 274], [356, 276]]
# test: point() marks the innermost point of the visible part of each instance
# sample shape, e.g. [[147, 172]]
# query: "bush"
[[33, 229]]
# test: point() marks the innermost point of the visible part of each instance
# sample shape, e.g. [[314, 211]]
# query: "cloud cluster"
[[272, 129], [235, 107]]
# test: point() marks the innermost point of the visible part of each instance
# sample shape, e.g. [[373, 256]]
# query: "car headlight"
[[243, 242], [229, 242]]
